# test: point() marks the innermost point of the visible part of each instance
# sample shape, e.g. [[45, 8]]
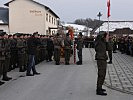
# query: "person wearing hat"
[[50, 48], [67, 48], [2, 58], [32, 44], [57, 48], [6, 56], [79, 48], [101, 58], [21, 52]]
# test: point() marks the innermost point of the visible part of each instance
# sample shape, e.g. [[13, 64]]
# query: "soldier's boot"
[[1, 83], [101, 92], [79, 63], [22, 69], [67, 63], [57, 63], [6, 78], [110, 62]]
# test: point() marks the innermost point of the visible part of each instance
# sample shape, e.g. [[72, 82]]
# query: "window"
[[46, 17], [52, 20], [49, 18]]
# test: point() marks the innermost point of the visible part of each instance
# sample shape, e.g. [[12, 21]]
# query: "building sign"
[[36, 12]]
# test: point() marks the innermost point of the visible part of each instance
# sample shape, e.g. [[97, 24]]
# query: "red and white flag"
[[108, 5]]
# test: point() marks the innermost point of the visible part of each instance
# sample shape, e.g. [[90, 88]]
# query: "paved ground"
[[59, 83], [120, 73]]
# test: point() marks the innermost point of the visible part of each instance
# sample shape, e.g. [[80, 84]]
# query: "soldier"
[[2, 58], [114, 45], [43, 48], [21, 52], [110, 48], [67, 47], [6, 62], [101, 57], [79, 48], [14, 56], [57, 48], [50, 48], [26, 51]]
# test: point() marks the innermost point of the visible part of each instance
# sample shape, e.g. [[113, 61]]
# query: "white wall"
[[4, 28], [26, 16]]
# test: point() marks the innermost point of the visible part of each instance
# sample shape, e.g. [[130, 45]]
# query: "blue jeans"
[[31, 64]]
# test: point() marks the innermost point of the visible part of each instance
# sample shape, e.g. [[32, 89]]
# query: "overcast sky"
[[69, 10]]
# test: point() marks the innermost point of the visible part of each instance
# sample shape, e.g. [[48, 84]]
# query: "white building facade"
[[28, 16]]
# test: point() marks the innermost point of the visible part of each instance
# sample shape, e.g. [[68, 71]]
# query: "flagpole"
[[108, 25]]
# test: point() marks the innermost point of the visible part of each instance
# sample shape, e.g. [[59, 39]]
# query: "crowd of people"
[[18, 51], [24, 51]]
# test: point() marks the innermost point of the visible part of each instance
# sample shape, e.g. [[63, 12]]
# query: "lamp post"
[[99, 15]]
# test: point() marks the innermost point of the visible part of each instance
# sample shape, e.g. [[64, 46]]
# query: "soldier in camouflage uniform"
[[67, 47], [101, 57], [50, 48], [21, 53], [6, 62], [57, 47], [2, 58], [110, 49], [13, 52], [79, 48], [26, 51]]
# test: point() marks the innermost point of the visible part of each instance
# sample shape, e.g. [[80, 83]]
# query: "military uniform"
[[25, 54], [79, 48], [101, 57], [57, 48], [110, 48], [6, 61], [2, 58], [50, 49], [21, 54], [67, 47], [14, 55]]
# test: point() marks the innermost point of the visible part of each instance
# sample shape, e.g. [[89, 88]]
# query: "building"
[[117, 27], [28, 16], [4, 16]]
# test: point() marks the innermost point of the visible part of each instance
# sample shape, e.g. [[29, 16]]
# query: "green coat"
[[100, 48]]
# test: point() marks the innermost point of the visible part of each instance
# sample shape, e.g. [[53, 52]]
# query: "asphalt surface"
[[61, 82]]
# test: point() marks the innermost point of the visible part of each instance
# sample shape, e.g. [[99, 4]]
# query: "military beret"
[[80, 33]]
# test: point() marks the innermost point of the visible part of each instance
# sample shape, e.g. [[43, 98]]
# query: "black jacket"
[[32, 44]]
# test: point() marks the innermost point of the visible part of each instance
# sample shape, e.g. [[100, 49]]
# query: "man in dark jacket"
[[32, 44], [101, 57]]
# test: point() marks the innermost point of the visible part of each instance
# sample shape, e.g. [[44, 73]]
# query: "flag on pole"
[[108, 5]]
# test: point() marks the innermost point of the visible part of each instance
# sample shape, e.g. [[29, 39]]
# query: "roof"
[[47, 8], [78, 27], [4, 16], [113, 25]]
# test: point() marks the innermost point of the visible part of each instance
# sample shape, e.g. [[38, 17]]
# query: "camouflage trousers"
[[57, 54], [67, 55], [110, 55], [102, 66]]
